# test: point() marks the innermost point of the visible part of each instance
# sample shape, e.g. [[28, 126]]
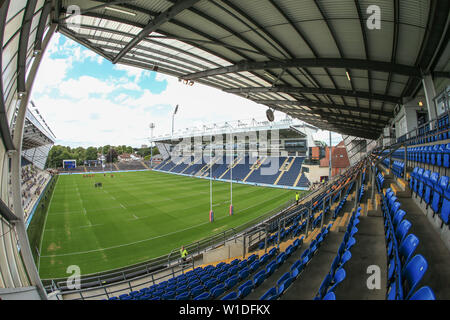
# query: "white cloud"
[[84, 86], [132, 72]]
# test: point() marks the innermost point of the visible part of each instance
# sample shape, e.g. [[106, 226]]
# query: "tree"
[[91, 153], [112, 155]]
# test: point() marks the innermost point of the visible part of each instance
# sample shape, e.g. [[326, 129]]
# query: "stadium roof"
[[315, 60]]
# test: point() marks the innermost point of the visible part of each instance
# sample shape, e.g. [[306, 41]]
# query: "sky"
[[88, 101]]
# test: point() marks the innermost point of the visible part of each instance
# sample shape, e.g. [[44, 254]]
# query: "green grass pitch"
[[137, 216]]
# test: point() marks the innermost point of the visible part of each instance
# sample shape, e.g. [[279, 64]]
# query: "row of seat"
[[246, 288], [337, 272], [341, 204], [438, 155], [426, 135], [398, 168], [433, 190], [405, 270], [193, 283], [296, 269], [294, 230]]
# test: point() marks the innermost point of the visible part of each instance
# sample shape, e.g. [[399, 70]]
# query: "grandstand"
[[276, 163], [377, 73]]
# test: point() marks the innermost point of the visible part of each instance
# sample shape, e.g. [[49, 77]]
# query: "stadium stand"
[[33, 183], [264, 170]]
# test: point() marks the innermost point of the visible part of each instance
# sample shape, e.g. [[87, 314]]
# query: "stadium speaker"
[[269, 115]]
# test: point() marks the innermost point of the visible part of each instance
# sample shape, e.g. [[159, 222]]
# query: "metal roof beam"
[[154, 24], [23, 44], [42, 23], [4, 127], [313, 104], [311, 63], [305, 90]]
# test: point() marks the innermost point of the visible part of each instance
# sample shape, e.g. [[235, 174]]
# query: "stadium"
[[237, 209]]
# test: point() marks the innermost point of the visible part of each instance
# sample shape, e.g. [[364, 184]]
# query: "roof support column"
[[24, 244], [430, 94]]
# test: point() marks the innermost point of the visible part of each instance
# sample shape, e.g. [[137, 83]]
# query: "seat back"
[[271, 294], [424, 293], [431, 182], [398, 217], [445, 209], [425, 177], [402, 230], [413, 273], [407, 248]]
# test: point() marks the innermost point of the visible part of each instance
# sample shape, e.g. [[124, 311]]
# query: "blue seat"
[[244, 273], [197, 291], [407, 248], [230, 296], [283, 278], [245, 289], [413, 273], [271, 268], [402, 230], [203, 296], [259, 278], [324, 286], [183, 296], [395, 207], [430, 183], [398, 217], [424, 293], [446, 156], [330, 296], [170, 295], [417, 179], [221, 277], [254, 266], [339, 276], [351, 242], [282, 287], [193, 283], [345, 257], [438, 192], [445, 209], [270, 294], [210, 283], [440, 155], [218, 290], [231, 282]]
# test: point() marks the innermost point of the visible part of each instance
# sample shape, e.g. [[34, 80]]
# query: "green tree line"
[[59, 153]]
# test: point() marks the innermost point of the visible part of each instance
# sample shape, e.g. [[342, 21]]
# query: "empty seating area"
[[405, 270], [264, 170], [415, 246], [425, 134], [131, 165], [225, 280], [337, 272], [433, 190], [398, 168], [288, 278], [33, 184]]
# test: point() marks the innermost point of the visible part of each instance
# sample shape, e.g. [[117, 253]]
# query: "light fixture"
[[348, 76], [420, 104], [121, 11], [270, 116]]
